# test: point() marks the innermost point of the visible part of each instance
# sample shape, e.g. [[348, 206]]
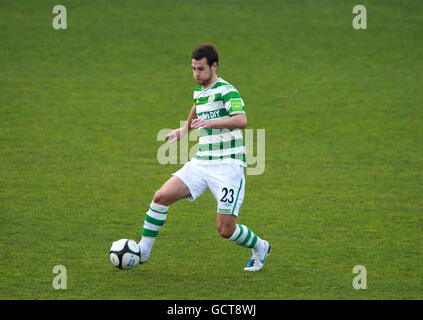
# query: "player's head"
[[204, 63]]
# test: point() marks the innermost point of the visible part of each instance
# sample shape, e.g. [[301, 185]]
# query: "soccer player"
[[219, 114]]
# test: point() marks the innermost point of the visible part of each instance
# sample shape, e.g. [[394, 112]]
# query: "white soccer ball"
[[125, 254]]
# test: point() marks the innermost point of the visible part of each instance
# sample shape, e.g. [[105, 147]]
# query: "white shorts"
[[225, 181]]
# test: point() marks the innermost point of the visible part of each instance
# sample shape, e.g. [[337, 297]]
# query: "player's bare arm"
[[179, 133]]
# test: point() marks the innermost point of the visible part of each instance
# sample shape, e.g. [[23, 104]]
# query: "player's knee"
[[225, 231], [225, 234], [161, 198]]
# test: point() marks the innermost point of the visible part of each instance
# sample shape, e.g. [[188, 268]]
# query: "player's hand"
[[201, 124], [174, 136]]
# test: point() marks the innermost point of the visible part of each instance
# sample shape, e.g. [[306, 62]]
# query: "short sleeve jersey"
[[218, 102]]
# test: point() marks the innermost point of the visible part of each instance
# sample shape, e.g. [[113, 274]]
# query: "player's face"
[[202, 72]]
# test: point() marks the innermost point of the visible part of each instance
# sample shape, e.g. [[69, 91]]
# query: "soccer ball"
[[125, 254]]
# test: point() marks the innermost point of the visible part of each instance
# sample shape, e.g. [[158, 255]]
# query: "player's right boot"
[[257, 260]]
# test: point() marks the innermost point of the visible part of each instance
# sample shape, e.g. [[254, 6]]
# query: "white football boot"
[[143, 257], [257, 260]]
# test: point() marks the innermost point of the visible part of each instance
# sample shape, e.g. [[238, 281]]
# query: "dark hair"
[[207, 51]]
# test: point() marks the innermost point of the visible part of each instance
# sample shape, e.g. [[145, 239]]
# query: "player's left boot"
[[257, 260], [144, 257]]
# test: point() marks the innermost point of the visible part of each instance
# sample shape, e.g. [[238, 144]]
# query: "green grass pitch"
[[80, 110]]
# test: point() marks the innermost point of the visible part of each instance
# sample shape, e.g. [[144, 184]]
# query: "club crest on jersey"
[[211, 98]]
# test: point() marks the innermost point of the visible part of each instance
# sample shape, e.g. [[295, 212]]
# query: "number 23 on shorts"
[[228, 195], [230, 200]]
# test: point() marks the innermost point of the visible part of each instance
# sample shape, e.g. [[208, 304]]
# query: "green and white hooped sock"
[[155, 218], [245, 237]]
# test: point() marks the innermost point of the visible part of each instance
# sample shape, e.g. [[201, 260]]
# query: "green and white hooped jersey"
[[218, 102]]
